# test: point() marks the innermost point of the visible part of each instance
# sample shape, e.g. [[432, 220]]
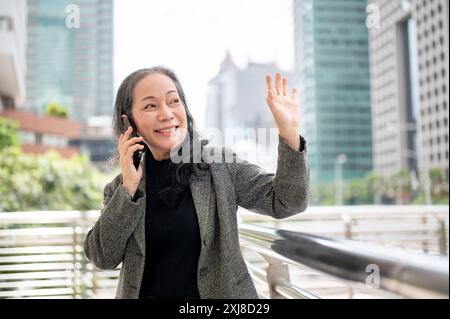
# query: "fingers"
[[285, 86], [269, 83], [125, 135], [281, 85], [270, 98], [278, 83], [133, 149], [294, 94], [125, 142], [132, 141]]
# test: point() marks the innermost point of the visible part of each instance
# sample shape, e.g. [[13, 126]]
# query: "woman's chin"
[[168, 144]]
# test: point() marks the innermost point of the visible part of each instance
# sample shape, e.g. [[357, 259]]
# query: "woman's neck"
[[159, 155]]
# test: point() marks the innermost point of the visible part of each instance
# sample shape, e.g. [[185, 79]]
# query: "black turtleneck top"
[[172, 238]]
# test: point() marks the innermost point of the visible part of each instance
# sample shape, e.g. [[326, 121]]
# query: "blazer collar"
[[201, 191]]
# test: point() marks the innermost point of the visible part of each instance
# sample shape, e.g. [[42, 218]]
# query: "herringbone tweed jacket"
[[118, 236]]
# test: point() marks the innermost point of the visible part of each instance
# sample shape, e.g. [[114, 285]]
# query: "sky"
[[192, 37]]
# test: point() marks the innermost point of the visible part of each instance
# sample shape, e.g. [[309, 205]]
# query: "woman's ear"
[[124, 119]]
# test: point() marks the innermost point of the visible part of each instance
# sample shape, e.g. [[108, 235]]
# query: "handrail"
[[399, 271], [292, 291], [402, 272]]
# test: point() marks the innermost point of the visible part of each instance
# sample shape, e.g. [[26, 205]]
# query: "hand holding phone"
[[129, 145]]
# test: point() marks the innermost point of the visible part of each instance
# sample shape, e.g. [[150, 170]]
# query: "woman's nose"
[[165, 113]]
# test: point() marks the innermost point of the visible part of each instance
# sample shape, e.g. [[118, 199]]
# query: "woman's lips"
[[167, 131]]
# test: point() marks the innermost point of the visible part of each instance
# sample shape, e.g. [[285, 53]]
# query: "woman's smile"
[[168, 131]]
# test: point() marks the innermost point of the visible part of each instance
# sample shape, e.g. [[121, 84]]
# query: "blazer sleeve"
[[281, 195], [106, 241]]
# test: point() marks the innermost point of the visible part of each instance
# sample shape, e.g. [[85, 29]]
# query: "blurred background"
[[373, 79]]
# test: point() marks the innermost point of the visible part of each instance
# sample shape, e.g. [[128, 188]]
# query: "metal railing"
[[41, 255], [405, 273], [421, 228]]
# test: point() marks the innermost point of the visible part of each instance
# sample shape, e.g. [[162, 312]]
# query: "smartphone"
[[137, 155]]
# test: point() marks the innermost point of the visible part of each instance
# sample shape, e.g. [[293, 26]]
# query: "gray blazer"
[[118, 236]]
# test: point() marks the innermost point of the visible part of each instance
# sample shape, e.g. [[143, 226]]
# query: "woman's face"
[[159, 114]]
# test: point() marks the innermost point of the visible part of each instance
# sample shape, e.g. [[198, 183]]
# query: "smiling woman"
[[173, 226], [159, 114], [154, 103]]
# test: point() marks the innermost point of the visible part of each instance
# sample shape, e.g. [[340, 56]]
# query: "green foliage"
[[322, 194], [358, 192], [56, 109], [439, 186], [397, 188], [8, 134], [48, 182]]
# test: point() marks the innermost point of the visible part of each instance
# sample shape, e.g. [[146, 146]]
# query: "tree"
[[357, 192], [439, 185], [56, 109], [48, 182], [402, 186], [45, 182], [8, 134]]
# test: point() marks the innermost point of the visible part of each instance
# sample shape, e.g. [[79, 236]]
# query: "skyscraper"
[[237, 107], [332, 67], [67, 63], [237, 97], [410, 78]]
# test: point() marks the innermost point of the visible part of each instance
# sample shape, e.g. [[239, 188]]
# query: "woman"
[[173, 225]]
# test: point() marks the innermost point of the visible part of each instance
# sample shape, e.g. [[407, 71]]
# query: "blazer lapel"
[[201, 192], [139, 232]]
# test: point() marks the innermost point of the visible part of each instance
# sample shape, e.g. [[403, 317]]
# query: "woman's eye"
[[175, 101], [150, 106]]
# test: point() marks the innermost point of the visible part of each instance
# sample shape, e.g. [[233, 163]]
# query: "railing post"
[[424, 233], [83, 260], [74, 260], [442, 236], [277, 272], [94, 282], [348, 223]]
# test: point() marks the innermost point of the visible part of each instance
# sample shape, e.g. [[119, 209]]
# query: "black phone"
[[137, 155]]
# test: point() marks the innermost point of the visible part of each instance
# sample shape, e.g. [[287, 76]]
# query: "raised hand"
[[285, 109]]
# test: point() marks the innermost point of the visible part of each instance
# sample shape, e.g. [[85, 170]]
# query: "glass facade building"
[[332, 72], [69, 65]]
